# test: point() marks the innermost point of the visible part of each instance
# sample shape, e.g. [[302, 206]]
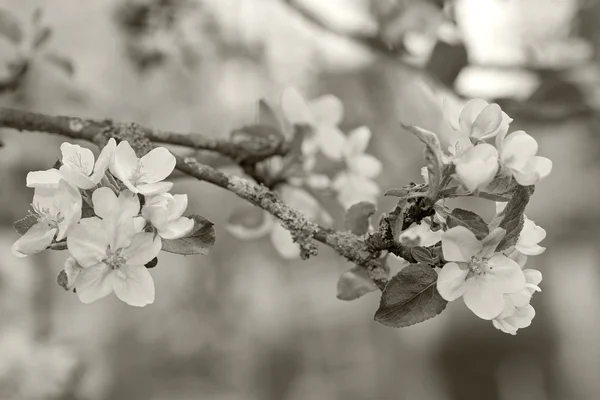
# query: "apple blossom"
[[356, 183], [421, 234], [478, 119], [112, 254], [164, 211], [529, 238], [518, 158], [518, 313], [475, 272], [108, 205], [477, 166], [57, 211], [78, 167], [143, 175], [322, 115]]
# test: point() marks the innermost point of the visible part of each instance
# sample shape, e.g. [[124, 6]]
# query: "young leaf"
[[410, 297], [357, 217], [199, 241], [422, 254], [500, 189], [433, 156], [513, 219], [10, 27], [23, 225], [354, 283], [469, 220], [396, 192]]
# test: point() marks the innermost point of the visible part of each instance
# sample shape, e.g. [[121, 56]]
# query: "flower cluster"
[[477, 162], [112, 213], [323, 143]]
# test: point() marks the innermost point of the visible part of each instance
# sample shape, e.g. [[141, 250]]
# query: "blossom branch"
[[304, 231]]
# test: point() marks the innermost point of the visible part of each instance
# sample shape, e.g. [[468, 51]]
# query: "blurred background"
[[242, 323]]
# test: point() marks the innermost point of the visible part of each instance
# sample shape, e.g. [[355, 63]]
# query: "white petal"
[[43, 199], [331, 141], [488, 121], [36, 239], [76, 178], [327, 110], [94, 282], [532, 276], [151, 189], [87, 244], [504, 326], [460, 244], [520, 299], [103, 160], [157, 165], [124, 162], [451, 281], [105, 202], [134, 285], [522, 318], [485, 300], [68, 201], [518, 148], [532, 250], [295, 108], [44, 179], [139, 223], [367, 166], [357, 142], [477, 166], [177, 205], [177, 229], [470, 112], [143, 248], [543, 166], [77, 157], [283, 242], [505, 274]]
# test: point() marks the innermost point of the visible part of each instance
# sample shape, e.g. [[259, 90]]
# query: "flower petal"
[[327, 110], [522, 317], [177, 205], [44, 179], [357, 142], [68, 201], [460, 244], [103, 161], [152, 189], [331, 141], [134, 285], [142, 249], [124, 162], [469, 113], [477, 166], [177, 228], [94, 283], [488, 121], [77, 157], [283, 242], [518, 148], [157, 165], [105, 202], [76, 178], [87, 244], [543, 166], [532, 276], [484, 299], [451, 281], [36, 239], [505, 274]]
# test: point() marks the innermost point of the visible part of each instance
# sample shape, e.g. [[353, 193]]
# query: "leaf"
[[199, 241], [23, 225], [433, 156], [469, 220], [500, 189], [357, 217], [152, 263], [422, 254], [41, 37], [354, 283], [10, 27], [513, 216], [396, 192], [410, 297], [62, 62]]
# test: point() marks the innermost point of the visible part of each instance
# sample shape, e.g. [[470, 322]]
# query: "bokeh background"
[[242, 323]]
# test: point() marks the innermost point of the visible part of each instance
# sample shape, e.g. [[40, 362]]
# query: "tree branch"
[[304, 231]]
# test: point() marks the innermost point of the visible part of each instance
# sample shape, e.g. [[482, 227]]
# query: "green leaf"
[[469, 220], [357, 217], [10, 27], [422, 254], [410, 297], [199, 241], [500, 189], [62, 62], [513, 216], [433, 156], [23, 225], [396, 192], [354, 283]]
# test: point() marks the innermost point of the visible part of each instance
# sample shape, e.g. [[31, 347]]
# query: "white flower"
[[57, 211], [518, 313], [478, 274], [478, 119], [422, 233], [127, 205], [164, 211], [143, 175], [322, 115], [477, 166], [113, 254], [78, 167], [518, 158], [356, 183]]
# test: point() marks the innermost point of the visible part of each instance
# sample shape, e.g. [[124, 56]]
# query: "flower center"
[[113, 260], [477, 266], [45, 215], [77, 162]]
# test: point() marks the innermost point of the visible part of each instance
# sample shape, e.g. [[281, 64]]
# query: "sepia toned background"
[[242, 323]]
